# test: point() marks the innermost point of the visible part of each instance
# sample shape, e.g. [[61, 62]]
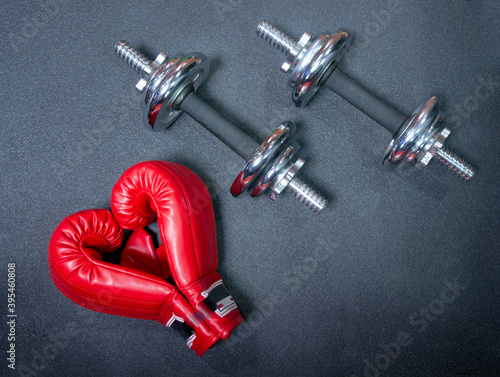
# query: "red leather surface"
[[180, 201], [78, 270], [140, 253]]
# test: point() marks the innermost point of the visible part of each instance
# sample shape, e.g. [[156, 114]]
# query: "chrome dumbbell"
[[168, 86], [312, 63]]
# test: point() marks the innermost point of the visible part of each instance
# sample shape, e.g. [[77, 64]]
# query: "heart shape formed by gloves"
[[135, 288], [179, 200]]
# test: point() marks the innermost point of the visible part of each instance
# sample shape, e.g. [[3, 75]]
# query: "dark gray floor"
[[357, 291]]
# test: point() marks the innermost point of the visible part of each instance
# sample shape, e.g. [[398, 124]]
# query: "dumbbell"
[[312, 63], [168, 87]]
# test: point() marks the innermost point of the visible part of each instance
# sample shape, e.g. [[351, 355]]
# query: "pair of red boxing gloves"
[[199, 307]]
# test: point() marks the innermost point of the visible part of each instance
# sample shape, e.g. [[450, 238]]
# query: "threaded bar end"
[[135, 59], [307, 195], [456, 164], [276, 37]]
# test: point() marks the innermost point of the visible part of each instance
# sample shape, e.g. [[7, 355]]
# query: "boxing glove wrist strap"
[[178, 324], [218, 299]]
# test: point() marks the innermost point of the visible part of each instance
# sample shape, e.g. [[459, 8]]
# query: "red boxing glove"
[[140, 253], [181, 202], [78, 270]]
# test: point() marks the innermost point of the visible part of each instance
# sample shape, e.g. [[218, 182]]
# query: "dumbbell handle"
[[219, 126], [194, 106], [357, 95], [388, 116], [243, 145], [338, 81], [351, 91]]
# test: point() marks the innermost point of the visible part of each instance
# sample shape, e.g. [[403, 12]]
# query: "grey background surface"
[[326, 295]]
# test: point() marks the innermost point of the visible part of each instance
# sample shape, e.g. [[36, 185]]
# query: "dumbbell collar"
[[309, 60], [269, 164], [165, 82], [418, 140]]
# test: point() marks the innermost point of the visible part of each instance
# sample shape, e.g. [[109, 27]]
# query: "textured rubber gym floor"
[[398, 277]]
